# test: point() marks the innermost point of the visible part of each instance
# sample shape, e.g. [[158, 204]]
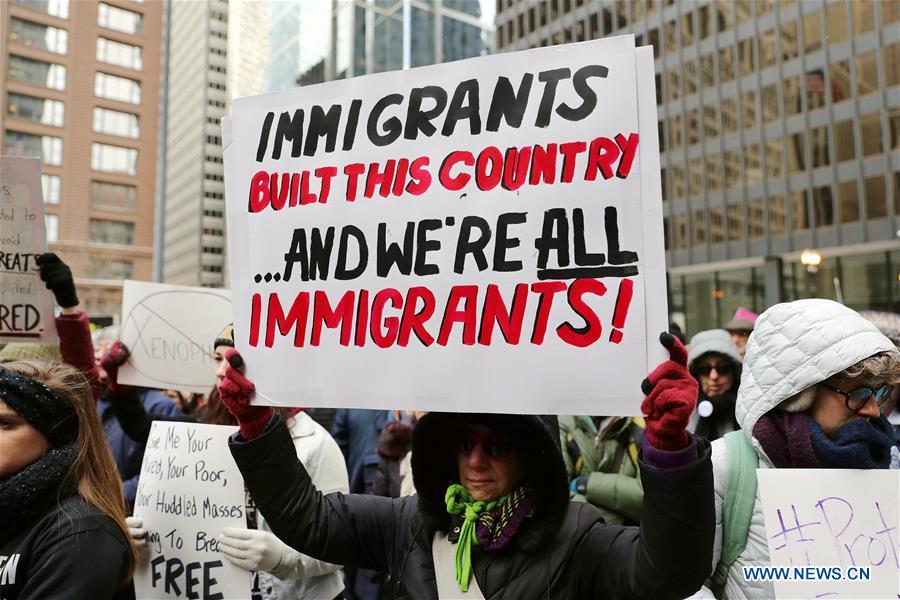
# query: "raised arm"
[[669, 555], [346, 529]]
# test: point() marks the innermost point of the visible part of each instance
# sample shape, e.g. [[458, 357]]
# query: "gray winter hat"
[[713, 340]]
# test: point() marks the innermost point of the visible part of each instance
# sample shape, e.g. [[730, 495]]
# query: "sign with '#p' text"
[[170, 331], [832, 533], [483, 235], [26, 306], [189, 491]]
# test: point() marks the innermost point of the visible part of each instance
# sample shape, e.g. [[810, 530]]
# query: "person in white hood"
[[815, 375]]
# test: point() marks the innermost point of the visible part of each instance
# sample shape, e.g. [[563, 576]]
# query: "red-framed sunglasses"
[[495, 445]]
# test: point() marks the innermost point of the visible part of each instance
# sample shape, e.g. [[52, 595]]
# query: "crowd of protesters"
[[373, 504]]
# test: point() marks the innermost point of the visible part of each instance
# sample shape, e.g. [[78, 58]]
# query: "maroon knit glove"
[[235, 390], [671, 395], [114, 357]]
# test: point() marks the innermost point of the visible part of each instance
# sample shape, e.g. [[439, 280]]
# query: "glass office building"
[[779, 127]]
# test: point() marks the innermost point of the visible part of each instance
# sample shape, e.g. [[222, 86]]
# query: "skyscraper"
[[193, 248], [80, 87], [779, 127]]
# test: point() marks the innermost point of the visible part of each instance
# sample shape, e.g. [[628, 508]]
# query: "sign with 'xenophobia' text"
[[483, 235]]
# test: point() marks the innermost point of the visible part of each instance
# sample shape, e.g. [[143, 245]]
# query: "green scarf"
[[460, 502]]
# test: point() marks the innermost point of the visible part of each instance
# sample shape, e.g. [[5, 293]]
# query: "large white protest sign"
[[833, 518], [469, 236], [189, 491], [26, 306], [170, 330]]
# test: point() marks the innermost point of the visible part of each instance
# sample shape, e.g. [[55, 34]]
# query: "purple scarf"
[[796, 441]]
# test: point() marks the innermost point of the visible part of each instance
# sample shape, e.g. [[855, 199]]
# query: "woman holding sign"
[[62, 510], [492, 517], [816, 375]]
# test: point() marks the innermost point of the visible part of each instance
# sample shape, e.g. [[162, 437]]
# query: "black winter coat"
[[563, 550]]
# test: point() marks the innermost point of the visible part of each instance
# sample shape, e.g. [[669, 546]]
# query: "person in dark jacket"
[[492, 518], [715, 362], [62, 512]]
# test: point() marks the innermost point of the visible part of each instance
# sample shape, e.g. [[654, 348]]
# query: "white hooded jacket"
[[794, 346]]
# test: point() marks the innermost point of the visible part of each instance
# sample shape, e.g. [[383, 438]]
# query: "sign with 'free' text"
[[189, 491], [483, 235]]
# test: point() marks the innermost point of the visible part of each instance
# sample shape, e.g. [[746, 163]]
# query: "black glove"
[[58, 277]]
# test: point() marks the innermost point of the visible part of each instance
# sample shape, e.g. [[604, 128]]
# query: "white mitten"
[[255, 550], [136, 531]]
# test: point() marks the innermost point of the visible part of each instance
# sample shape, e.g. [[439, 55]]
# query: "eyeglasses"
[[858, 398], [494, 445], [722, 369]]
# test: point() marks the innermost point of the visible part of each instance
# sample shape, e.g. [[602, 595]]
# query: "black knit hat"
[[44, 408], [225, 337]]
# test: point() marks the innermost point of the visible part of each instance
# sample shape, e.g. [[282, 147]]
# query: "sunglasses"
[[494, 445], [858, 398], [705, 370]]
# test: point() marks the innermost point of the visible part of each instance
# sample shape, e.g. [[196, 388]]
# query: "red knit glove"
[[114, 357], [671, 395], [235, 390]]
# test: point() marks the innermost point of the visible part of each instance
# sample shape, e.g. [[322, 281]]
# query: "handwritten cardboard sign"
[[26, 306], [190, 489], [833, 518], [476, 236], [170, 330]]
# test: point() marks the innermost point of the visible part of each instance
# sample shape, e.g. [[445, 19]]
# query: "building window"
[[863, 16], [710, 122], [39, 110], [732, 168], [735, 222], [844, 141], [116, 53], [790, 45], [111, 232], [692, 126], [717, 233], [815, 89], [792, 99], [698, 227], [54, 8], [679, 231], [823, 206], [713, 172], [799, 210], [777, 215], [796, 153], [729, 116], [837, 22], [848, 200], [818, 147], [51, 223], [876, 199], [866, 74], [840, 81], [120, 19], [113, 159], [748, 109], [110, 269], [35, 35], [27, 144], [755, 218], [745, 57], [689, 72], [723, 16], [114, 122], [768, 49], [695, 178], [752, 164], [726, 64], [50, 186], [117, 88], [870, 132], [812, 31], [891, 58], [38, 72], [773, 158], [113, 196]]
